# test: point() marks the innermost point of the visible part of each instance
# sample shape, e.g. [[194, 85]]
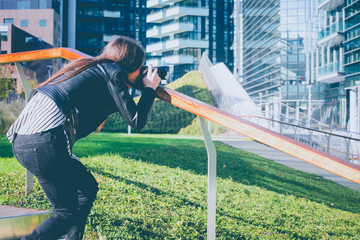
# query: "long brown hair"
[[125, 51]]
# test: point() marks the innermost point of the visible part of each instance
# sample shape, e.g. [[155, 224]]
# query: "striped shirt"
[[40, 114]]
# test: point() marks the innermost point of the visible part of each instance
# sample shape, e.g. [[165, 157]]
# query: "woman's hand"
[[151, 78]]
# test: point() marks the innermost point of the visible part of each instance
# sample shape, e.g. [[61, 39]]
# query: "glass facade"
[[276, 51], [179, 32], [97, 22], [352, 42], [31, 4]]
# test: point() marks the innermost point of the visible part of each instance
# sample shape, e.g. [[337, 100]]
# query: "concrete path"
[[287, 160]]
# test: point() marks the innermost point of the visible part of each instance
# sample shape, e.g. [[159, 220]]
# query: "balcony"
[[108, 38], [112, 14], [176, 44], [186, 11], [157, 17], [154, 61], [328, 5], [160, 3], [171, 60], [174, 28], [173, 12], [331, 73], [331, 35], [177, 60]]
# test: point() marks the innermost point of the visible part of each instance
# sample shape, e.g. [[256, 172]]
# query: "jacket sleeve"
[[135, 115]]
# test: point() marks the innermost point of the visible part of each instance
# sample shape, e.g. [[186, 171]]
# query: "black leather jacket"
[[90, 97]]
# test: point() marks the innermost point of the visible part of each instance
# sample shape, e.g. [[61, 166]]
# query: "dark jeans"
[[69, 186]]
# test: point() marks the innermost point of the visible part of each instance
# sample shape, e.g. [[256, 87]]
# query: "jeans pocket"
[[27, 157], [47, 158]]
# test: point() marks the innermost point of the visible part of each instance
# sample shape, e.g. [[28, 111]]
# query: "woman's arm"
[[135, 115]]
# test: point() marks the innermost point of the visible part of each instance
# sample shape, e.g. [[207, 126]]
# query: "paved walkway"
[[287, 160]]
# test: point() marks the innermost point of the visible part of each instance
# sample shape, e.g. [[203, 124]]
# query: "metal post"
[[309, 106], [328, 143], [29, 178], [211, 151], [347, 142], [260, 102]]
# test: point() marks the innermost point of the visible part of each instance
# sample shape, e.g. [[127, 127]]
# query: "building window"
[[23, 5], [28, 39], [42, 22], [4, 36], [43, 4], [8, 20], [24, 22]]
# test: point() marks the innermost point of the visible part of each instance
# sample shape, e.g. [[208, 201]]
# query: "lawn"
[[155, 187]]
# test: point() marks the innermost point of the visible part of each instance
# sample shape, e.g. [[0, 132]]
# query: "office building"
[[352, 63], [27, 29], [179, 31], [330, 55], [338, 62], [274, 50], [91, 24]]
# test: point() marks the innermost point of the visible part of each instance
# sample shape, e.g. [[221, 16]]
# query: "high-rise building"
[[179, 31], [92, 23], [87, 25], [330, 54], [274, 53], [338, 61], [352, 63]]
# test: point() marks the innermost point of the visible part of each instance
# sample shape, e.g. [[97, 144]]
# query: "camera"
[[162, 71]]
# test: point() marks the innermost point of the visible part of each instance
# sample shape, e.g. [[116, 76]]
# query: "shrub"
[[9, 113], [166, 118]]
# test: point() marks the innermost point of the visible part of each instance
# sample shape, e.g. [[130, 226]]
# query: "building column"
[[353, 123], [317, 63], [341, 59], [297, 112], [72, 24], [328, 54], [358, 106]]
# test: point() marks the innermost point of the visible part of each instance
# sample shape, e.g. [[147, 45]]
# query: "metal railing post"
[[211, 205], [29, 177]]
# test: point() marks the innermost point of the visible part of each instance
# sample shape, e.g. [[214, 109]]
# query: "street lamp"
[[49, 67]]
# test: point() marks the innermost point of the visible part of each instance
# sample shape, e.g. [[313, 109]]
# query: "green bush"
[[168, 119], [8, 114]]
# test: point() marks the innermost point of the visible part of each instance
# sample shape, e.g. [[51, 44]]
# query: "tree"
[[4, 82]]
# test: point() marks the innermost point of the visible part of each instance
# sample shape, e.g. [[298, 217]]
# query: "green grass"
[[155, 187]]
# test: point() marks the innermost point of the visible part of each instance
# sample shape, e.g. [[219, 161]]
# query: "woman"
[[66, 107]]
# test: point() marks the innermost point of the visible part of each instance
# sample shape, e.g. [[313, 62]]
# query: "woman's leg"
[[87, 188], [61, 177]]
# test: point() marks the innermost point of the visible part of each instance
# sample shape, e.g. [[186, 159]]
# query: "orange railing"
[[244, 127]]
